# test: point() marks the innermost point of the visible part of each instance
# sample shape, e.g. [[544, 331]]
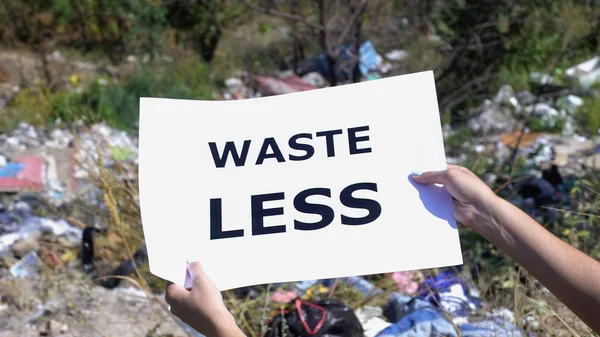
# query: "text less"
[[259, 212]]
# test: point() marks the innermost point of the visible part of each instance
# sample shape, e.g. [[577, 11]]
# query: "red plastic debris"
[[274, 86], [298, 83], [29, 178]]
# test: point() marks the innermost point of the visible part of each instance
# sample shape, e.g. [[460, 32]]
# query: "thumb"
[[199, 278], [432, 177]]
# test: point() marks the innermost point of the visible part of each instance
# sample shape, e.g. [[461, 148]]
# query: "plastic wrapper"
[[324, 318]]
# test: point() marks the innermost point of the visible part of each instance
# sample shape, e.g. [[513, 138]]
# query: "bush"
[[588, 116], [116, 104]]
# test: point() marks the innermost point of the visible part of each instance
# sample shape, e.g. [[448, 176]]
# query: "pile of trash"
[[421, 306], [51, 167], [508, 110], [53, 162], [314, 72], [554, 154], [441, 305]]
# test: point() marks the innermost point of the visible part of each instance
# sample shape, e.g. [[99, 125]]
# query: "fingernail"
[[416, 173], [187, 283], [190, 261]]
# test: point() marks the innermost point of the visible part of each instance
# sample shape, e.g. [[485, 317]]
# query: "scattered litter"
[[397, 55], [53, 328], [133, 291], [545, 110], [450, 293], [374, 326], [506, 95], [233, 83], [491, 118], [503, 313], [56, 56], [490, 328], [586, 73], [369, 62], [573, 102], [408, 281], [543, 190], [425, 322], [120, 154], [19, 224], [526, 98], [512, 139], [531, 322], [273, 86], [126, 267], [593, 161], [283, 296], [539, 78], [366, 313], [29, 265], [324, 318], [10, 170], [49, 162], [25, 175], [22, 247], [315, 79]]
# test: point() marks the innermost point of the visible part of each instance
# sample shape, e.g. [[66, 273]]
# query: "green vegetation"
[[589, 116], [116, 104]]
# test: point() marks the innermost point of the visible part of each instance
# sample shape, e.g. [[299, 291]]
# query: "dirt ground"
[[73, 308]]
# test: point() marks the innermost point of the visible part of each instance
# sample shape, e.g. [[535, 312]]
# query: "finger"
[[457, 211], [454, 167], [432, 177], [197, 274], [175, 294], [199, 278], [458, 168]]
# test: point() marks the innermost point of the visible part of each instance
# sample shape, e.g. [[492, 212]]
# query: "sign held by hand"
[[301, 186]]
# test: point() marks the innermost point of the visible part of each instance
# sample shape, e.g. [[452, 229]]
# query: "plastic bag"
[[126, 267], [324, 318]]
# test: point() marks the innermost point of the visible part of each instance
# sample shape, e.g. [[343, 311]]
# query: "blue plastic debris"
[[491, 328], [425, 322], [367, 60], [368, 57], [320, 62], [27, 266], [10, 170]]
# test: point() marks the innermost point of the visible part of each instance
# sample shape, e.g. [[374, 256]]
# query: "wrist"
[[485, 220], [223, 324]]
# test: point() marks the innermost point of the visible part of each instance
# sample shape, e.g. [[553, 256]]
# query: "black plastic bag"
[[126, 267], [324, 318]]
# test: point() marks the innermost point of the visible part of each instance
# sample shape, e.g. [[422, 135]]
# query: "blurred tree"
[[485, 36], [206, 19], [477, 45], [333, 24]]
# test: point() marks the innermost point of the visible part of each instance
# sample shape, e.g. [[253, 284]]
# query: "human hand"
[[471, 196], [201, 307]]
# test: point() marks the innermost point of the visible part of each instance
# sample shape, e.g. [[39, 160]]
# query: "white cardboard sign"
[[314, 185]]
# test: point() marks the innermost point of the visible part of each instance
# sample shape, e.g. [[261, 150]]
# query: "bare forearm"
[[569, 274], [225, 326], [229, 331]]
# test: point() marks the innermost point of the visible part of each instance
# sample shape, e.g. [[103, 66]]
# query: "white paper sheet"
[[179, 176]]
